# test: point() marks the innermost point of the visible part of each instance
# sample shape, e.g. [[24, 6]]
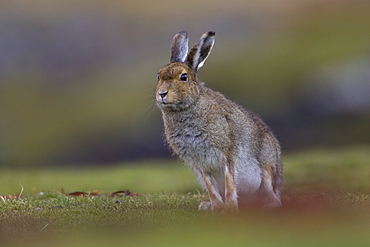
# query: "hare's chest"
[[195, 145], [187, 139]]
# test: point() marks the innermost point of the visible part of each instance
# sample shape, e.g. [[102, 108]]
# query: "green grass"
[[144, 177], [326, 203]]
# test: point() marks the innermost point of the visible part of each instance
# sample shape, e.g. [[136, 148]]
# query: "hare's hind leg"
[[272, 193]]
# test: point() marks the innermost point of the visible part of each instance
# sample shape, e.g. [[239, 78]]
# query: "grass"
[[159, 176], [326, 203]]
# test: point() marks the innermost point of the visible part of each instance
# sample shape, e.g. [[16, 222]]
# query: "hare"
[[230, 149]]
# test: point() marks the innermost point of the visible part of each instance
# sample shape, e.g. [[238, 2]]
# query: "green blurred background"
[[77, 77]]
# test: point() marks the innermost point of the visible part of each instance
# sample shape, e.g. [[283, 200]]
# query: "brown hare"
[[233, 154]]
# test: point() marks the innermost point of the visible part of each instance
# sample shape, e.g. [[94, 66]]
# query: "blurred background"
[[77, 77]]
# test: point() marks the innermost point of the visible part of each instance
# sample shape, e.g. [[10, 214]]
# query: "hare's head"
[[178, 85]]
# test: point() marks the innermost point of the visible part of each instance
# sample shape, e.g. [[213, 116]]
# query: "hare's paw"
[[209, 206], [204, 206]]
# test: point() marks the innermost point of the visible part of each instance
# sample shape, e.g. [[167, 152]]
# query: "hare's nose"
[[162, 93]]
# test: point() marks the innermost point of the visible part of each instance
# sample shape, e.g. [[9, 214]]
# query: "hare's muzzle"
[[162, 96]]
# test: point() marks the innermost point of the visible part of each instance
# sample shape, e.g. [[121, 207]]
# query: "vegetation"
[[326, 203]]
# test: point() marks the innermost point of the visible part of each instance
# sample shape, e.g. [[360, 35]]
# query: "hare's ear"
[[179, 47], [200, 52]]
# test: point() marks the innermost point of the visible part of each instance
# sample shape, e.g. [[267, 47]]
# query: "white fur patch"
[[248, 177]]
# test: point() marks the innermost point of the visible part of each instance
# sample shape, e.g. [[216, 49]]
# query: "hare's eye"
[[158, 77], [184, 77]]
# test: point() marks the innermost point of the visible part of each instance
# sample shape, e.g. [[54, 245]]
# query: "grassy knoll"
[[326, 203]]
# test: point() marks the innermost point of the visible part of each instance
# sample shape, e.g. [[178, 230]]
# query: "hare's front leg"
[[216, 203], [231, 196]]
